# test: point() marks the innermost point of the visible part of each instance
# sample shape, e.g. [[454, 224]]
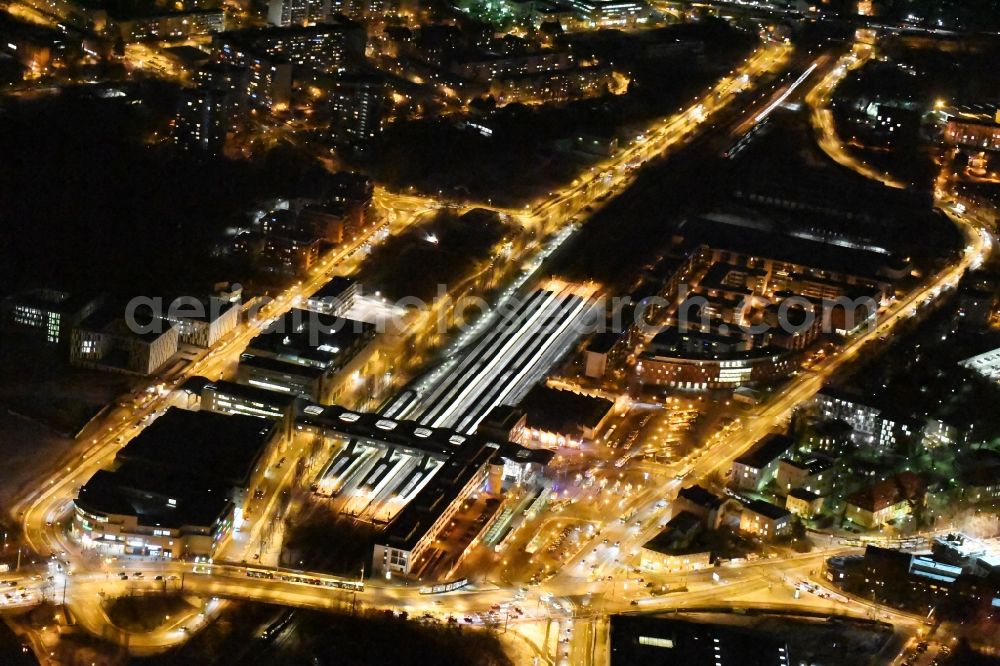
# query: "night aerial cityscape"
[[499, 332]]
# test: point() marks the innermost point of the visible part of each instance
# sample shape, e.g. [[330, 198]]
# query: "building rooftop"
[[253, 393], [701, 497], [556, 410], [602, 343], [305, 337], [766, 509], [402, 432], [256, 35], [736, 234], [675, 538], [465, 455], [803, 494], [651, 641], [52, 300], [189, 56], [413, 522], [202, 444], [180, 471], [278, 365], [172, 500], [111, 320], [766, 451], [334, 288], [812, 464]]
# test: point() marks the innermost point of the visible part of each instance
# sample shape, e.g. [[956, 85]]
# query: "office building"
[[959, 579], [696, 360], [105, 341], [303, 353], [47, 315], [203, 323], [611, 13], [336, 297]]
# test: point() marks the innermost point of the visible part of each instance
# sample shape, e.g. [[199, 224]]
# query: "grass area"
[[143, 614]]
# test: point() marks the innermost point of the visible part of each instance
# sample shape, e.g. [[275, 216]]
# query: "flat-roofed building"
[[973, 127], [357, 106], [986, 364], [201, 120], [202, 323], [179, 488], [48, 315], [336, 297], [105, 341], [557, 417], [333, 45], [223, 397], [611, 13], [170, 25], [875, 428], [552, 86], [602, 350], [287, 13], [303, 352], [280, 376], [654, 640], [698, 360]]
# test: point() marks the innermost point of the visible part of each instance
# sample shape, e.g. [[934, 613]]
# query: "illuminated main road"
[[474, 379]]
